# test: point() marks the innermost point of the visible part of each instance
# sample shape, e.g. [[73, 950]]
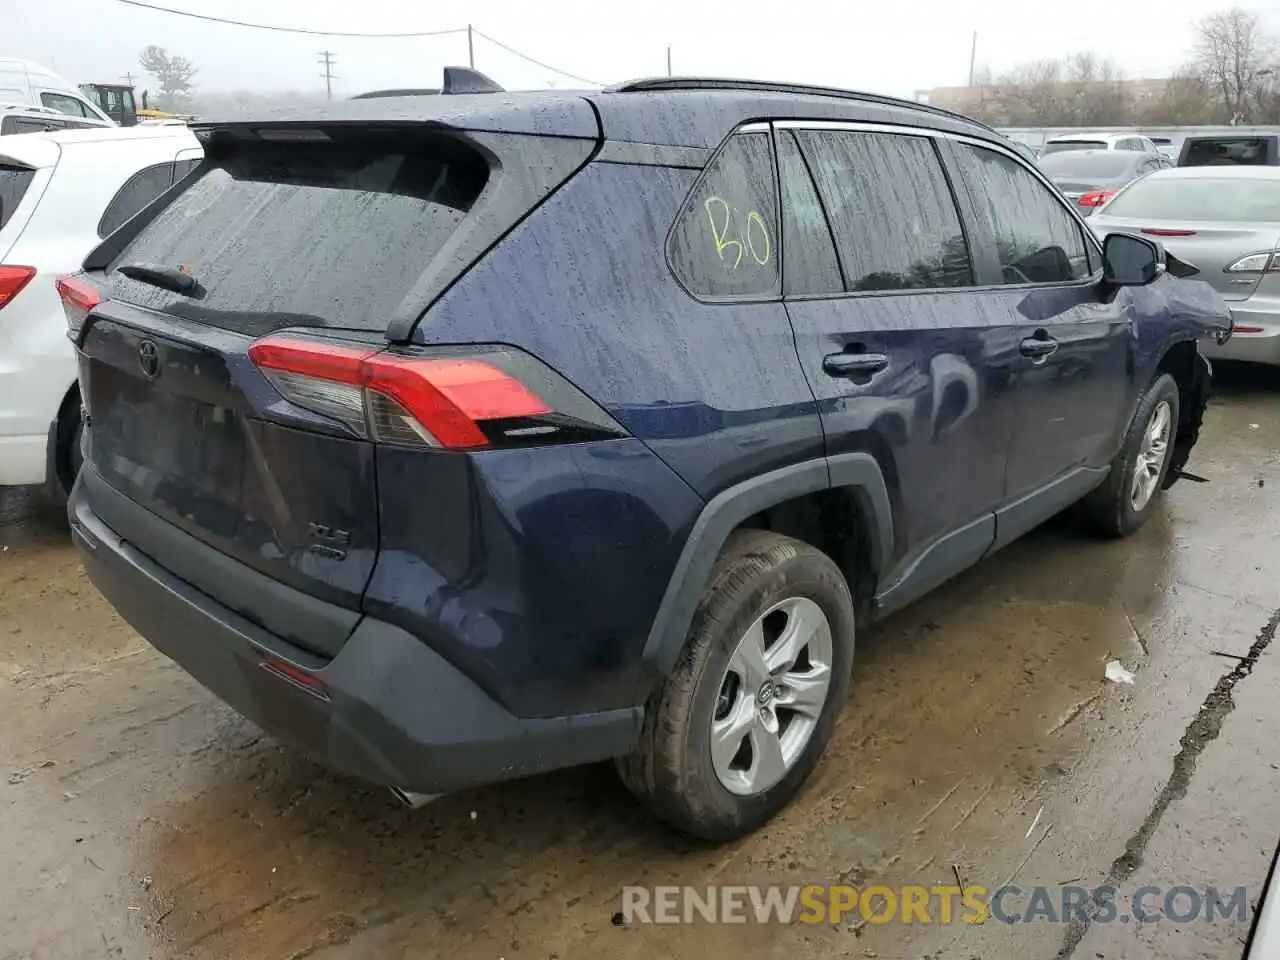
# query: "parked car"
[[1254, 150], [27, 83], [1089, 178], [1226, 222], [459, 438], [19, 118], [60, 193], [1098, 141], [1167, 148]]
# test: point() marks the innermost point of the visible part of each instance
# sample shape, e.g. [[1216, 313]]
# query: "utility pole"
[[471, 48], [973, 56], [668, 59], [327, 59], [128, 79]]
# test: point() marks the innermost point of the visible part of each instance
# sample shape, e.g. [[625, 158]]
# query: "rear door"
[[1043, 271], [898, 345], [328, 236]]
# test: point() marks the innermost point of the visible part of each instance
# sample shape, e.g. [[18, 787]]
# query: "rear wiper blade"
[[158, 275]]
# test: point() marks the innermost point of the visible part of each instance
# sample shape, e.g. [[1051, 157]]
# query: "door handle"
[[1038, 348], [853, 364]]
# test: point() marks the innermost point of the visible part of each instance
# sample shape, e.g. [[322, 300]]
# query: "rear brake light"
[[79, 296], [1255, 263], [1165, 232], [456, 401], [12, 280], [1096, 198]]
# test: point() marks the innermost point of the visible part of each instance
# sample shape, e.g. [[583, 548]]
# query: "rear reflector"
[[12, 280], [295, 675], [438, 401], [1164, 232], [1239, 329], [79, 296]]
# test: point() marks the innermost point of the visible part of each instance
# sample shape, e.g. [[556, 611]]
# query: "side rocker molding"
[[857, 471]]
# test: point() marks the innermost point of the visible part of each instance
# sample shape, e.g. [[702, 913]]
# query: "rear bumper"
[[1261, 345], [392, 711]]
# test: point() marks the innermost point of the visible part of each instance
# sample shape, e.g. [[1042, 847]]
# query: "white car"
[[26, 83], [60, 194], [1098, 141]]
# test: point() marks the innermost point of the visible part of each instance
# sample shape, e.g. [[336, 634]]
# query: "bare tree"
[[1233, 54], [173, 73], [1185, 99]]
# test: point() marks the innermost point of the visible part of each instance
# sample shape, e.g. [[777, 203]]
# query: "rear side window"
[[182, 168], [1226, 151], [13, 186], [895, 221], [139, 190], [313, 233], [1036, 239], [724, 242]]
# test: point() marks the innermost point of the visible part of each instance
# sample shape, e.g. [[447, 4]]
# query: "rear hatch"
[[329, 230], [1226, 226]]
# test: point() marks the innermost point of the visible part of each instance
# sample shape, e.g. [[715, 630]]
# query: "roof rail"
[[804, 89], [32, 108]]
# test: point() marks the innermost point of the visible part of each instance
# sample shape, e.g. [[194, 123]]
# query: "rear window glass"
[[1064, 146], [320, 234], [1211, 198], [13, 186], [1103, 163], [1226, 151]]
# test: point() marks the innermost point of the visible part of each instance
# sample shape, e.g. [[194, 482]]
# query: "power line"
[[279, 29], [545, 66], [327, 59]]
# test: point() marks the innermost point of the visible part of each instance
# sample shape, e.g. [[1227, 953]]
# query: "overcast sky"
[[891, 47]]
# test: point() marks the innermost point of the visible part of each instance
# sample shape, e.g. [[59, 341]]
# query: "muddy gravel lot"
[[141, 818]]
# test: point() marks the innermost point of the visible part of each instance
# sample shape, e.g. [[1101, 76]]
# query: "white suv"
[[1099, 141], [60, 194]]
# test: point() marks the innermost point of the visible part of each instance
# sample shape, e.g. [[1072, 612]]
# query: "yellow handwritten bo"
[[755, 242]]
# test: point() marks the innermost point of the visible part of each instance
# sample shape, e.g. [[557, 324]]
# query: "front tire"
[[738, 727], [1123, 503]]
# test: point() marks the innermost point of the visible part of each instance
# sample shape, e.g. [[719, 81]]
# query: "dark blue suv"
[[459, 437]]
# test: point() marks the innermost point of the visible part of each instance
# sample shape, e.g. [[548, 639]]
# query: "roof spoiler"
[[457, 80]]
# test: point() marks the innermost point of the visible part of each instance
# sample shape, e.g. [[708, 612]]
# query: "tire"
[[1110, 510], [672, 770]]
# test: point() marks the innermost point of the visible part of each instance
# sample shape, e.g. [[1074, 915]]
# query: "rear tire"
[[1132, 489], [766, 667]]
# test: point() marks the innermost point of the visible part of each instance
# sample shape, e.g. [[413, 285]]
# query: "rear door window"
[[1036, 239], [63, 104], [136, 192], [330, 233], [809, 253], [894, 219], [14, 181], [723, 243]]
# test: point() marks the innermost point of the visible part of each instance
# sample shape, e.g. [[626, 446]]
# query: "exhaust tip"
[[411, 799]]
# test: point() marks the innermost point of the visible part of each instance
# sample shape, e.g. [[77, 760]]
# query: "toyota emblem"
[[149, 358]]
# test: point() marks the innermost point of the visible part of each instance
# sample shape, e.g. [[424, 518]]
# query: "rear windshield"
[[1063, 146], [1179, 198], [1226, 151], [13, 185], [1101, 164], [308, 233]]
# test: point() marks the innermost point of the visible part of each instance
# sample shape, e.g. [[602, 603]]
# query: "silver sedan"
[[1224, 220]]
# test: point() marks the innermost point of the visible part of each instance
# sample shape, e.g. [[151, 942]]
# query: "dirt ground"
[[141, 818]]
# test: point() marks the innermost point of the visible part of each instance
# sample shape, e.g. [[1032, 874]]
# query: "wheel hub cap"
[[771, 696], [1152, 453]]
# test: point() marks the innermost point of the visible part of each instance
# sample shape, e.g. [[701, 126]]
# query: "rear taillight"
[[456, 400], [79, 296], [1266, 262], [1096, 198], [12, 280]]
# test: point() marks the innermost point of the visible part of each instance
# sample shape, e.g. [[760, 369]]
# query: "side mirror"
[[1131, 261]]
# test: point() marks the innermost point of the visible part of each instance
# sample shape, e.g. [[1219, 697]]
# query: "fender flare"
[[859, 472]]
